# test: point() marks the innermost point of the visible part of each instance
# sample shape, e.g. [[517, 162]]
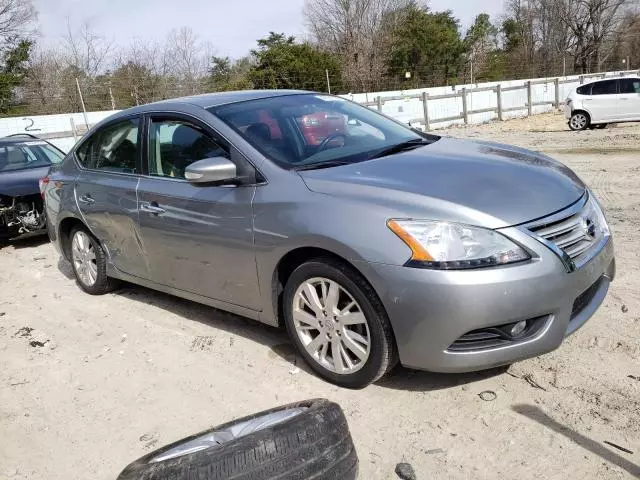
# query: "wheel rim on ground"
[[84, 258], [220, 437], [331, 326], [579, 121]]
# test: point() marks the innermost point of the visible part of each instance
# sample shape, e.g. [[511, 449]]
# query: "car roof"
[[209, 100], [19, 138], [633, 77]]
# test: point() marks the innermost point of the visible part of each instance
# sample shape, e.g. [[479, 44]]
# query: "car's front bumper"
[[430, 310]]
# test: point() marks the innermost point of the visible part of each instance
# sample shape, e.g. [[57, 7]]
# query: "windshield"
[[302, 130], [24, 155]]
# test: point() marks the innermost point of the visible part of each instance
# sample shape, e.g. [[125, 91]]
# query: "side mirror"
[[211, 170], [354, 122]]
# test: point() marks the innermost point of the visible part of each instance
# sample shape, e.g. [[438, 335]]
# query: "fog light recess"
[[518, 328]]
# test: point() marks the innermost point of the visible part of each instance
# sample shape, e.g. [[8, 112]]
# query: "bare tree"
[[628, 40], [592, 24], [43, 84], [523, 13], [17, 19], [358, 31], [189, 57], [86, 50], [140, 72]]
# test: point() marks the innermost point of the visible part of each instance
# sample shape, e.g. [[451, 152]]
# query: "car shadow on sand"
[[401, 378], [537, 415], [29, 241], [277, 340]]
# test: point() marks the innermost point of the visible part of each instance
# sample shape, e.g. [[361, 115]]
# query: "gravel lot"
[[89, 384]]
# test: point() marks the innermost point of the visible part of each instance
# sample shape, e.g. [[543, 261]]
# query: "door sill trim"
[[194, 297]]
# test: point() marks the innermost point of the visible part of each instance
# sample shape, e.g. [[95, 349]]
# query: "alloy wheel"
[[84, 258], [579, 121], [331, 326]]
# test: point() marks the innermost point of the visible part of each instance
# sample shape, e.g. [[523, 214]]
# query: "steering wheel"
[[325, 143]]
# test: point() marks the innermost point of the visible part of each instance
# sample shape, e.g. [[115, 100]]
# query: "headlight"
[[453, 246], [596, 223]]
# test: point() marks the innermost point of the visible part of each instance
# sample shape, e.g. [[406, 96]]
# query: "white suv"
[[596, 104]]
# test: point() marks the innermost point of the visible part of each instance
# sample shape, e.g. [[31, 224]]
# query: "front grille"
[[574, 235]]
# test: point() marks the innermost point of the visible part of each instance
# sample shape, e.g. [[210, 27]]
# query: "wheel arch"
[[582, 110], [291, 260], [65, 227]]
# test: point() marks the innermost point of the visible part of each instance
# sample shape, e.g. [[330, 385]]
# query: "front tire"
[[338, 323], [89, 263], [579, 121]]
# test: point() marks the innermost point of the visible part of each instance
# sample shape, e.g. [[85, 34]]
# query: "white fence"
[[441, 107], [428, 108], [62, 130]]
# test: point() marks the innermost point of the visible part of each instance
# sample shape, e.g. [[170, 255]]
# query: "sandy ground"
[[89, 384]]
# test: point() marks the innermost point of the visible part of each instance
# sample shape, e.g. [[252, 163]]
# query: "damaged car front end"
[[24, 162], [21, 215]]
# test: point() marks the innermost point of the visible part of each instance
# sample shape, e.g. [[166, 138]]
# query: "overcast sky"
[[231, 26]]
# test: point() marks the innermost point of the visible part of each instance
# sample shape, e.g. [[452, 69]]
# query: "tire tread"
[[313, 445]]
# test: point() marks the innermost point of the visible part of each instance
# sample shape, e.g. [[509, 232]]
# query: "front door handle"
[[86, 199], [152, 208]]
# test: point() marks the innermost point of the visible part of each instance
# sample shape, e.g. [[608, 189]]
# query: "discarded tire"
[[303, 440]]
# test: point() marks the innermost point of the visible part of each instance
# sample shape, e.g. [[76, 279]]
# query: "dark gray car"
[[369, 241]]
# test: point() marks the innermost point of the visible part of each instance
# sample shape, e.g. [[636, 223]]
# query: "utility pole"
[[326, 70], [113, 102], [84, 110]]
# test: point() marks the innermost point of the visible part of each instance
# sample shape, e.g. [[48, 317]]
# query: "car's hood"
[[22, 182], [496, 185]]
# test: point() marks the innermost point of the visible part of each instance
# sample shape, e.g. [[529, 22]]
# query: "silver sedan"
[[370, 242]]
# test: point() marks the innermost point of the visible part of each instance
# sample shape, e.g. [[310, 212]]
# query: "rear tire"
[[358, 331], [89, 263], [579, 121], [314, 443]]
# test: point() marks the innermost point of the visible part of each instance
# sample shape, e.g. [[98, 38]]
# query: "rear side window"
[[607, 87], [584, 90], [114, 148], [630, 85]]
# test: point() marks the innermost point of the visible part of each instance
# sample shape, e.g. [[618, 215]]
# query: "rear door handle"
[[152, 208], [86, 199]]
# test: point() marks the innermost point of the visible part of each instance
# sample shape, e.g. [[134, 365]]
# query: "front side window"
[[114, 148], [608, 87], [175, 144], [31, 154], [630, 85], [308, 129]]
